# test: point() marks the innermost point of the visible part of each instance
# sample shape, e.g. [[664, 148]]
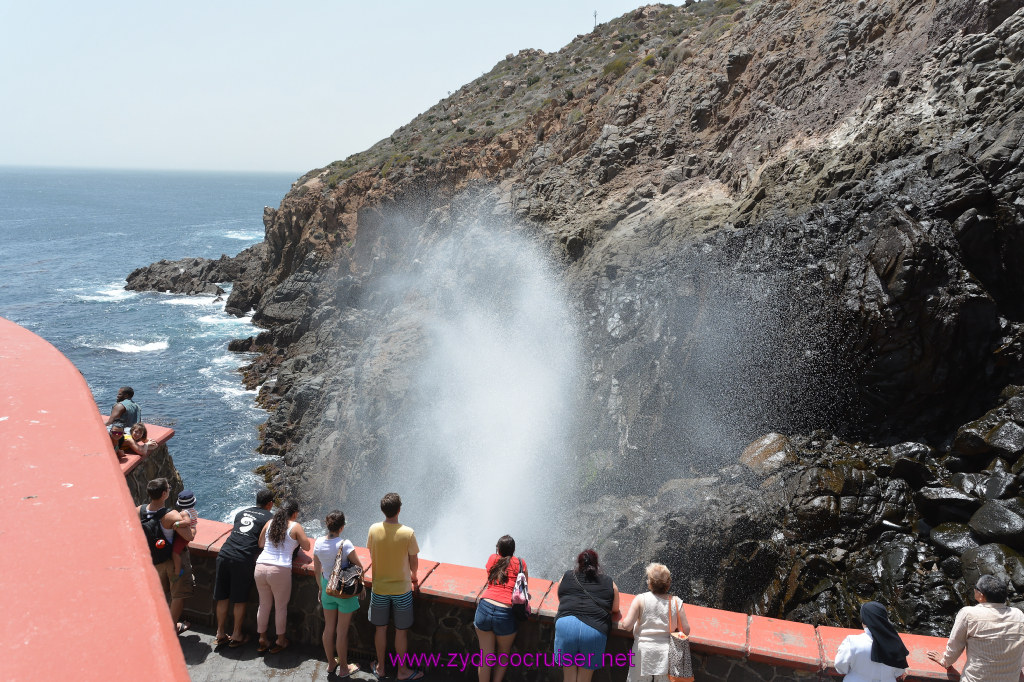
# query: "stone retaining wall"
[[138, 471], [727, 646]]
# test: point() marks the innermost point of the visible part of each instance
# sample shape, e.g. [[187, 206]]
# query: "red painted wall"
[[75, 604]]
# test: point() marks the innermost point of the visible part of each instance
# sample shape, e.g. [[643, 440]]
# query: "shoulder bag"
[[680, 667], [346, 579]]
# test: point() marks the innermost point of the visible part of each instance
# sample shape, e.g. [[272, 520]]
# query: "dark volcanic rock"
[[994, 559], [953, 538], [201, 276], [801, 218], [945, 504], [999, 522]]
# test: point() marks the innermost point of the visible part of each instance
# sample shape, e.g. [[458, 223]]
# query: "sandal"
[[352, 668], [222, 640], [263, 646], [238, 642], [278, 648], [183, 626]]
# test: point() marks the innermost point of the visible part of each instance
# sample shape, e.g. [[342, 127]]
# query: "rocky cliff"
[[793, 217]]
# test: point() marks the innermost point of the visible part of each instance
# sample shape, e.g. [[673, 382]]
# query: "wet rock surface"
[[811, 540], [799, 219]]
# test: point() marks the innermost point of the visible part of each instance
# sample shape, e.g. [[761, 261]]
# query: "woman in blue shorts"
[[495, 625], [587, 599], [337, 612]]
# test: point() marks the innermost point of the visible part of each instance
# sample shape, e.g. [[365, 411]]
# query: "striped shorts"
[[381, 605]]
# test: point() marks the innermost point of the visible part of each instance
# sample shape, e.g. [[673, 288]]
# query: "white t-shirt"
[[326, 550], [854, 660]]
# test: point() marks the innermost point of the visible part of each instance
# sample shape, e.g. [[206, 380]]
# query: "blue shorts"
[[573, 636], [493, 618]]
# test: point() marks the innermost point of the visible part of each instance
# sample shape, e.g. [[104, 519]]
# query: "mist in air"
[[481, 448]]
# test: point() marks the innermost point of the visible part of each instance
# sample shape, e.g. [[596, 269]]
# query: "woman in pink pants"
[[279, 538]]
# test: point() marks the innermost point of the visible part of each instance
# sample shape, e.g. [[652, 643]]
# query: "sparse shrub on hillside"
[[617, 66], [532, 80]]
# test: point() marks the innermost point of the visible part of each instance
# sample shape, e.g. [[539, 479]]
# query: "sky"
[[247, 85]]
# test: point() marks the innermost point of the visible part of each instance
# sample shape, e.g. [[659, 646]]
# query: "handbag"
[[346, 580], [680, 666], [521, 596]]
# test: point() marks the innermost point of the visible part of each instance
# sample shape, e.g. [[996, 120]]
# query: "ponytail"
[[279, 524]]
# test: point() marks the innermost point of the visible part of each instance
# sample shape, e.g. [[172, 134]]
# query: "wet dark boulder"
[[945, 504], [999, 521], [994, 559], [996, 485], [1007, 439], [953, 538]]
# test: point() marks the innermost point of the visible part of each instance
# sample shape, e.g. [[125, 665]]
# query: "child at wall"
[[187, 507]]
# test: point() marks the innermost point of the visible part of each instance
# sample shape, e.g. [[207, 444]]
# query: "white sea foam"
[[135, 346], [108, 293], [224, 319], [191, 300], [227, 359], [245, 235]]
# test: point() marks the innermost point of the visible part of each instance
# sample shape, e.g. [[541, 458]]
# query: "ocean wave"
[[228, 359], [135, 346], [225, 319], [245, 235], [108, 294], [191, 300]]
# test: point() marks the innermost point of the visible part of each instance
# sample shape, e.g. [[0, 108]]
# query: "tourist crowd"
[[263, 545]]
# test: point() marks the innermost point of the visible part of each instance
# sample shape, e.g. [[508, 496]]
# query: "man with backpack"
[[160, 524]]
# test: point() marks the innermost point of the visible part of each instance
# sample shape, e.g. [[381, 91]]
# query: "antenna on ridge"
[[595, 18]]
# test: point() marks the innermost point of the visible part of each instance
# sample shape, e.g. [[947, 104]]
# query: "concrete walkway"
[[207, 663]]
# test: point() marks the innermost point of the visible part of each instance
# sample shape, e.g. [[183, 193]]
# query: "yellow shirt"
[[391, 545]]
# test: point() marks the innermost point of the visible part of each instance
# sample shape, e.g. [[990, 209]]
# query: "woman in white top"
[[279, 538], [648, 617], [876, 655], [337, 611]]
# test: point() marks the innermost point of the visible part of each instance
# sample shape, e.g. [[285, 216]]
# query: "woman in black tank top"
[[587, 600]]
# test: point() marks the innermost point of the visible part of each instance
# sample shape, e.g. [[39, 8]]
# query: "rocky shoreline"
[[768, 217]]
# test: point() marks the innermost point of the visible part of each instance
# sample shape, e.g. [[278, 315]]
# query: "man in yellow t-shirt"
[[394, 560]]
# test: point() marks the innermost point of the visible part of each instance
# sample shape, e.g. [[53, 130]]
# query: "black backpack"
[[159, 547]]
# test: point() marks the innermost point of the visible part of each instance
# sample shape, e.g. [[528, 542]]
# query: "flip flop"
[[278, 648], [373, 671], [238, 642], [352, 669], [263, 646], [222, 640], [183, 626], [416, 675]]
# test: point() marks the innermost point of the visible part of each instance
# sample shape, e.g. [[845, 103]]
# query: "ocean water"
[[68, 239]]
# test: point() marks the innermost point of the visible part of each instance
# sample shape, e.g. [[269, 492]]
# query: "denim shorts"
[[573, 636], [492, 618]]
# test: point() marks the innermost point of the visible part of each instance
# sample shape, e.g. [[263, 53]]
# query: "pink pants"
[[274, 584]]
